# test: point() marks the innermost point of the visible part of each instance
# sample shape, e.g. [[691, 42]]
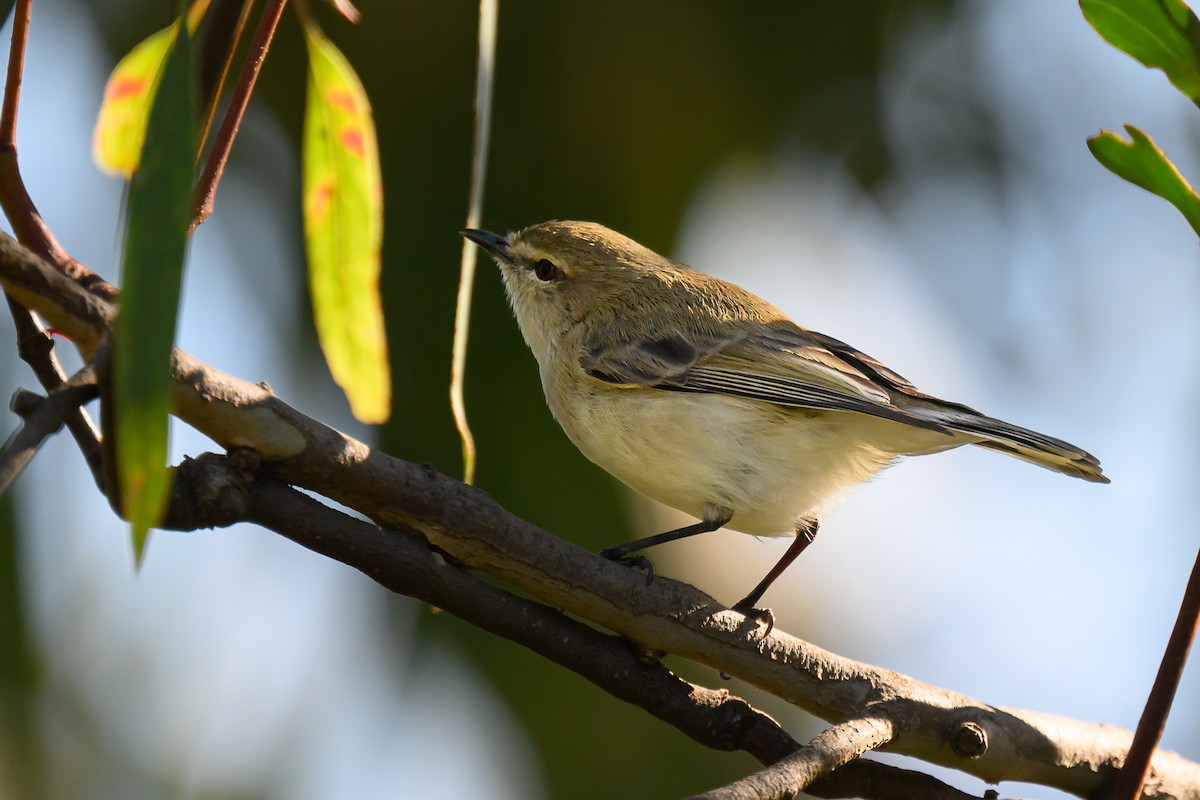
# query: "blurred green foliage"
[[1140, 161], [19, 771], [1161, 34], [614, 112]]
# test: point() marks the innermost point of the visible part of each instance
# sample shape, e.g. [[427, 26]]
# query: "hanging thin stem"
[[214, 100], [206, 190], [484, 80]]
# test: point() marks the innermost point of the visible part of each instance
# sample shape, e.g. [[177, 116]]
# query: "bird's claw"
[[633, 562], [759, 615]]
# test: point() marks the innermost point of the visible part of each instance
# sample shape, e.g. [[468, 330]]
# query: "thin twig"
[[829, 750], [484, 81], [34, 345], [229, 49], [16, 67], [1132, 777], [214, 167], [40, 417], [27, 223], [36, 348], [15, 201]]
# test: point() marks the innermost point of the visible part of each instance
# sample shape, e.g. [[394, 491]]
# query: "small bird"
[[709, 399]]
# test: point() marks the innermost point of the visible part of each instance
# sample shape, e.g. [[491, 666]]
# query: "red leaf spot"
[[125, 87], [318, 201], [352, 140], [342, 100]]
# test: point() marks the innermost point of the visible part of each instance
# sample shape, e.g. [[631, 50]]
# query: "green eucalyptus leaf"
[[1162, 34], [121, 123], [343, 228], [1140, 162], [157, 216]]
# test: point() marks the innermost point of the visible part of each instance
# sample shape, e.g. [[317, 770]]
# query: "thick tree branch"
[[872, 780], [215, 491], [37, 285], [404, 562], [934, 724]]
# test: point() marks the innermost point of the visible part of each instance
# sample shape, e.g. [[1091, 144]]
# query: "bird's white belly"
[[769, 466]]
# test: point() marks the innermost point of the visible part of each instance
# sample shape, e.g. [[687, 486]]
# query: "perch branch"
[[934, 724], [214, 490], [403, 562]]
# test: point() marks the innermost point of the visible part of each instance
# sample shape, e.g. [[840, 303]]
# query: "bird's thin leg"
[[805, 533], [620, 552]]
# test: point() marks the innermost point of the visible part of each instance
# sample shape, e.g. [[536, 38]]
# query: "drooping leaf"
[[158, 212], [343, 228], [121, 123], [1140, 162], [1162, 34]]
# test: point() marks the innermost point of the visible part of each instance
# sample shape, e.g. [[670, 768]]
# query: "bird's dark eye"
[[545, 270]]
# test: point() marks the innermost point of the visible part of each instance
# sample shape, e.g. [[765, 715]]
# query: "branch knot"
[[969, 740]]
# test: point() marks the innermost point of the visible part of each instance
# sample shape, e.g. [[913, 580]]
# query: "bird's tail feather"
[[1031, 446]]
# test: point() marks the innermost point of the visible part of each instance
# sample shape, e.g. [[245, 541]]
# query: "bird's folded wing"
[[780, 364]]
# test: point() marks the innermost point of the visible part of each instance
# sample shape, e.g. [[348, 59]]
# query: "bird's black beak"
[[496, 245]]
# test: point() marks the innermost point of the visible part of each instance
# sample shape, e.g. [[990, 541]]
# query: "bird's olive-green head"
[[558, 273], [580, 281]]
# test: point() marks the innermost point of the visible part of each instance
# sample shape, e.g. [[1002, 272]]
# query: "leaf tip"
[[139, 537]]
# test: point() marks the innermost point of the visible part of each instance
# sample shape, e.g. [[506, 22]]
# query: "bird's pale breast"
[[770, 466]]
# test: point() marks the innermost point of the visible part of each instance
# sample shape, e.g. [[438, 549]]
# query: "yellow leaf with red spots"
[[343, 228], [121, 124]]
